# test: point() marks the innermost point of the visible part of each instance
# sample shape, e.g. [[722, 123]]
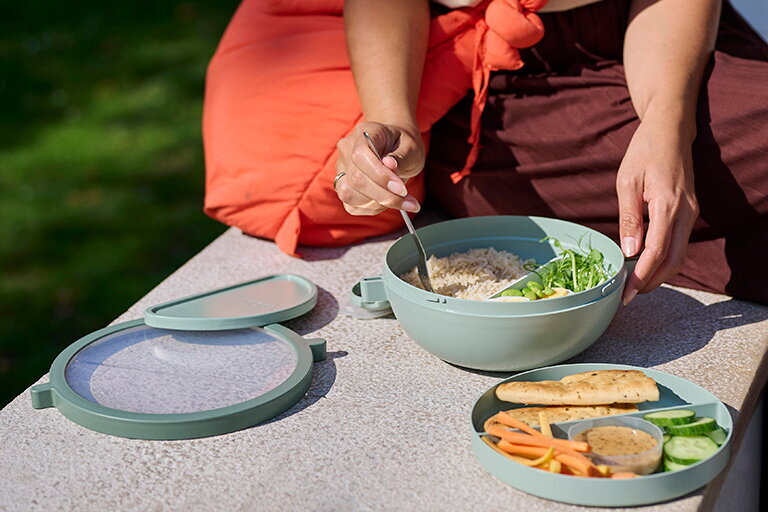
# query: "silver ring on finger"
[[337, 178]]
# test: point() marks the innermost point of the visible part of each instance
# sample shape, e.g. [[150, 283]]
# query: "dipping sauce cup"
[[609, 443]]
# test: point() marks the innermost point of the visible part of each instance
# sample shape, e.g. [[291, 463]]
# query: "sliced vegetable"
[[623, 475], [531, 452], [555, 466], [542, 458], [665, 438], [561, 444], [604, 470], [670, 418], [566, 470], [718, 436], [540, 440], [511, 292], [519, 459], [506, 419], [579, 463], [700, 426], [673, 466], [494, 446], [689, 449]]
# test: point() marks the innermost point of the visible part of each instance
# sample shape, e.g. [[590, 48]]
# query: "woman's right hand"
[[369, 185]]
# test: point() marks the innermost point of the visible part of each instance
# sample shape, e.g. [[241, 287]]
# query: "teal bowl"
[[497, 336]]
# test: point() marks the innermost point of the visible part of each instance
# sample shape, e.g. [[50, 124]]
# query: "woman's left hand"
[[656, 171]]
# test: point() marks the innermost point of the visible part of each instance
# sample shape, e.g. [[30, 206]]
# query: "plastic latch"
[[372, 289], [368, 299], [605, 290], [43, 396], [317, 346]]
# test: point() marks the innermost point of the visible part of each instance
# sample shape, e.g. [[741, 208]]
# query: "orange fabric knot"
[[507, 26]]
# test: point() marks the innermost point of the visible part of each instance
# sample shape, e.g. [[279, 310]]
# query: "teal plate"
[[674, 393]]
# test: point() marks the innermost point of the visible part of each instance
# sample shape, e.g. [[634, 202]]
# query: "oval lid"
[[136, 381], [259, 302]]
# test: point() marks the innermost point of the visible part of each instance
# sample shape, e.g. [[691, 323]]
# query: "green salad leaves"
[[576, 270]]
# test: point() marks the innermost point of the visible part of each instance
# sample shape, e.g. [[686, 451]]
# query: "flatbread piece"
[[587, 388], [561, 413]]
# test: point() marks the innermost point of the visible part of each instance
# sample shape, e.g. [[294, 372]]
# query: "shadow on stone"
[[322, 314], [323, 377], [666, 325], [660, 327]]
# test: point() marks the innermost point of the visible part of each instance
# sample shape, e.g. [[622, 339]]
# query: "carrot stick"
[[506, 419], [566, 470], [522, 450], [579, 463], [623, 475], [573, 460], [522, 460], [528, 456], [519, 438], [509, 421]]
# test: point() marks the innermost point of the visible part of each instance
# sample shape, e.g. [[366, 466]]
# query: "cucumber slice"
[[700, 426], [667, 437], [673, 466], [689, 449], [718, 436], [668, 418]]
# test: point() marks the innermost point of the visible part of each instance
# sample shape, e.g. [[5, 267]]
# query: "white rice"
[[474, 275]]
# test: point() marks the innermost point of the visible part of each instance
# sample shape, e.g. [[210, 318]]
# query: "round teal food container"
[[674, 393], [498, 336]]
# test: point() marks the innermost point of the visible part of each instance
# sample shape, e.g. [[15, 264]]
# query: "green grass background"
[[101, 164]]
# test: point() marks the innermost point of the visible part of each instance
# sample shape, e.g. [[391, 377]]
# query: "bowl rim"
[[616, 280]]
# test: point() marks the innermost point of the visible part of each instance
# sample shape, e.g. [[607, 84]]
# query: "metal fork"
[[421, 260]]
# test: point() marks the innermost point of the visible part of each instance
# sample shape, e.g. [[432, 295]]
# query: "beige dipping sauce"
[[611, 440]]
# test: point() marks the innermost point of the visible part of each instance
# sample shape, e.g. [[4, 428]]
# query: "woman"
[[621, 112], [616, 114]]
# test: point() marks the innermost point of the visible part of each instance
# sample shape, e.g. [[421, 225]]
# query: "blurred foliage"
[[101, 164]]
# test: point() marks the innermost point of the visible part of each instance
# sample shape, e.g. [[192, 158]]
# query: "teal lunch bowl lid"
[[194, 367], [263, 301]]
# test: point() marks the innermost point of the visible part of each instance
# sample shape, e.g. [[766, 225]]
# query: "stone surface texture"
[[384, 426]]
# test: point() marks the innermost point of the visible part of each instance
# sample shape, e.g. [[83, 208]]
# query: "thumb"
[[407, 159], [630, 195]]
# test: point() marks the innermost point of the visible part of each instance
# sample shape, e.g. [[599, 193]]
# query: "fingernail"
[[630, 297], [391, 163], [411, 206], [397, 188], [629, 246]]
